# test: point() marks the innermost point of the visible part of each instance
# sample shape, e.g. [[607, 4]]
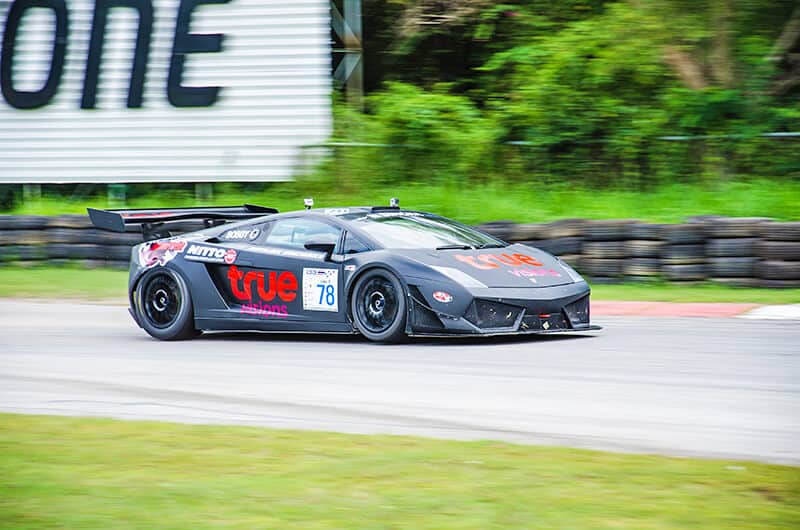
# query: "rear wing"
[[152, 220]]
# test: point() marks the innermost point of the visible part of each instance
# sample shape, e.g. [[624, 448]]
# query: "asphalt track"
[[727, 388]]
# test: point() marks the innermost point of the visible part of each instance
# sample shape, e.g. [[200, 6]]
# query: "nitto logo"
[[213, 254]]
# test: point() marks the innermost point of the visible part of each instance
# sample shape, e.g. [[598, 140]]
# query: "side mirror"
[[321, 244]]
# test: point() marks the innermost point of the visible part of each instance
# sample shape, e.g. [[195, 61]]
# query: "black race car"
[[384, 272]]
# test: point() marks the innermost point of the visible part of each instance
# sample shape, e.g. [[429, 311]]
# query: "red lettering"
[[287, 286], [266, 295], [527, 260], [470, 260], [234, 275], [509, 260]]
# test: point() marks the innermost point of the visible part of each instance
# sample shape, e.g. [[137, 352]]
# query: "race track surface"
[[726, 388]]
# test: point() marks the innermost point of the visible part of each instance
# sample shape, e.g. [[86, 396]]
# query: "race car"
[[382, 271]]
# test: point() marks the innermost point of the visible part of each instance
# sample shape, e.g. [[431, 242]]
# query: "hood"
[[513, 266]]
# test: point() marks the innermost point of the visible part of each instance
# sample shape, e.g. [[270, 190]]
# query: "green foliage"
[[584, 90]]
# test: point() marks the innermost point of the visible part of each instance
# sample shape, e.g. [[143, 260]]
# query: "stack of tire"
[[61, 239], [683, 257], [779, 253], [643, 248], [22, 238], [732, 249], [561, 238], [605, 250]]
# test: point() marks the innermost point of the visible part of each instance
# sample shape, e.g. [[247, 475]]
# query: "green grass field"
[[478, 202], [90, 474], [103, 284]]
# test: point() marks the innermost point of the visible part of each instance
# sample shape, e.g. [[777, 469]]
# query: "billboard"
[[161, 90]]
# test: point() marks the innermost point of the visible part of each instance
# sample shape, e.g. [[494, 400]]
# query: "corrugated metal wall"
[[274, 69]]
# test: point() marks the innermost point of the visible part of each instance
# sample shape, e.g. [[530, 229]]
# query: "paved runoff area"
[[670, 384]]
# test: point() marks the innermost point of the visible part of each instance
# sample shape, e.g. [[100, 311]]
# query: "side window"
[[353, 245], [295, 232]]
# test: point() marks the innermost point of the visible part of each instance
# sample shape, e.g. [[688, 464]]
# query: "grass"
[[89, 474], [701, 292], [62, 282], [478, 202], [105, 284]]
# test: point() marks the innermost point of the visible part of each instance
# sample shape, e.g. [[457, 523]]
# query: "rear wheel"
[[164, 305], [378, 306]]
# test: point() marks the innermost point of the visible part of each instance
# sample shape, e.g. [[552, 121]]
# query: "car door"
[[278, 284]]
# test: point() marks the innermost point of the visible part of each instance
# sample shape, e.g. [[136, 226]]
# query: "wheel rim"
[[377, 304], [162, 300]]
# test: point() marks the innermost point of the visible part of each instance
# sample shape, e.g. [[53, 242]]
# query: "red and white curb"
[[774, 312], [696, 309]]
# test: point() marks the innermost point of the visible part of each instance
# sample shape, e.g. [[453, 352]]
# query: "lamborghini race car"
[[384, 272]]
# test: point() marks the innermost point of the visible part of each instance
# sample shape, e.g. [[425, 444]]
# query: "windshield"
[[417, 230]]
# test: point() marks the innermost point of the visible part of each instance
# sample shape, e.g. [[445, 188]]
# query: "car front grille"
[[487, 314]]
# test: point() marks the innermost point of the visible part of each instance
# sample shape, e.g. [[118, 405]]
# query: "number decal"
[[320, 290]]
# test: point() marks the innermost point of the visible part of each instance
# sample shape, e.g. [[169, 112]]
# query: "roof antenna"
[[394, 202], [308, 202]]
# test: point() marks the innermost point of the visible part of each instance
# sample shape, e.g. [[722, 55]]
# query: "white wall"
[[274, 70]]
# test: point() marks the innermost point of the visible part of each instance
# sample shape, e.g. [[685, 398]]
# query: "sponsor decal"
[[546, 325], [211, 254], [349, 268], [337, 211], [287, 252], [533, 273], [159, 252], [242, 234], [259, 287], [495, 261], [320, 290], [443, 297], [260, 309]]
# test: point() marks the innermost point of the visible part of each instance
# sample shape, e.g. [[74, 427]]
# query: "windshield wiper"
[[454, 247], [492, 245]]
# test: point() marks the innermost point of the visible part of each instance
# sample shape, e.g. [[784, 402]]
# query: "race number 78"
[[327, 294]]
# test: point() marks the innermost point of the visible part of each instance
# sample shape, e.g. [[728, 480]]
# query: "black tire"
[[163, 305], [683, 234], [782, 231], [644, 231], [564, 228], [604, 249], [779, 250], [526, 232], [500, 229], [640, 248], [737, 282], [732, 267], [69, 221], [683, 254], [778, 270], [607, 230], [378, 306], [559, 247], [642, 267], [684, 273], [735, 247], [23, 237], [735, 226], [602, 267], [778, 284]]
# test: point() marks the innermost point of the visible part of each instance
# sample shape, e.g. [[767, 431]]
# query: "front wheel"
[[378, 306], [164, 305]]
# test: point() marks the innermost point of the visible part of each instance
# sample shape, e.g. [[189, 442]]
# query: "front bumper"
[[544, 310]]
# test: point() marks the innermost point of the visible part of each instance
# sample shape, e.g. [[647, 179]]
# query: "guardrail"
[[748, 252]]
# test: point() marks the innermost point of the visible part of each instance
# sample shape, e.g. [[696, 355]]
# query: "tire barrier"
[[746, 252]]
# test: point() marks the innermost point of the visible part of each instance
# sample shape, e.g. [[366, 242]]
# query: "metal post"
[[350, 71]]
